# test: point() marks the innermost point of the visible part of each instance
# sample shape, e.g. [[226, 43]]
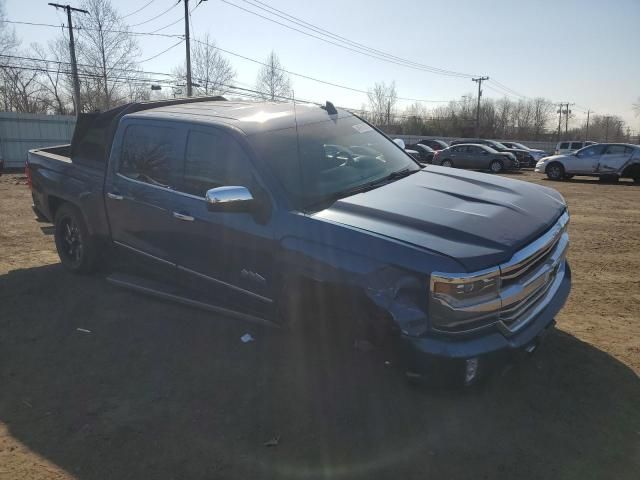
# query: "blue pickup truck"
[[261, 209]]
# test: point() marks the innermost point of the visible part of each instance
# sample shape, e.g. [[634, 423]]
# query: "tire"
[[77, 249], [568, 177], [555, 171], [496, 166], [446, 163]]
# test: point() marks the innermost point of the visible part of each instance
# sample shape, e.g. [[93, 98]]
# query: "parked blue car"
[[245, 208]]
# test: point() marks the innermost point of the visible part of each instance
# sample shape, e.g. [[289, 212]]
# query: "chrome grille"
[[530, 275]]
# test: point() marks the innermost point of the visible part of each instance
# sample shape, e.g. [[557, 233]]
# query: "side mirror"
[[399, 142], [237, 199]]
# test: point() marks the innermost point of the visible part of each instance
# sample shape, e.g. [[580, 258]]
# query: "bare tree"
[[55, 78], [210, 69], [21, 90], [542, 111], [8, 39], [273, 82], [636, 107], [382, 102], [106, 55]]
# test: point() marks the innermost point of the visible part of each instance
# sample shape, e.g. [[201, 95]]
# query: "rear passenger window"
[[617, 149], [214, 159], [576, 145], [564, 145], [147, 154]]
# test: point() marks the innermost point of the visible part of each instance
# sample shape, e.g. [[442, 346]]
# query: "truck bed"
[[55, 179]]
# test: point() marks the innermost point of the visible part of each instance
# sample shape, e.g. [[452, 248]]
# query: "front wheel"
[[555, 171], [76, 248], [496, 166], [447, 163]]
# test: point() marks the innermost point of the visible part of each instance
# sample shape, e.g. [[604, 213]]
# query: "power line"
[[286, 16], [15, 22], [307, 77], [140, 9], [405, 63], [157, 16], [504, 87], [163, 51]]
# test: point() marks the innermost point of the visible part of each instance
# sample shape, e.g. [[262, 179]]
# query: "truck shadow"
[[146, 389]]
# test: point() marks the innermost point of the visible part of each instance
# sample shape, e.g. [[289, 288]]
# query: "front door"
[[139, 192], [614, 158], [226, 255], [585, 160]]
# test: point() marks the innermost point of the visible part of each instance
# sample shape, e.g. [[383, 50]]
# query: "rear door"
[[140, 190], [614, 158], [457, 156], [475, 158]]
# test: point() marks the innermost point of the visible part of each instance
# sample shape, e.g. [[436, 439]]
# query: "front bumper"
[[423, 354]]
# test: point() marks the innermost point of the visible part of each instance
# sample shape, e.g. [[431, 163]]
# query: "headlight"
[[458, 300]]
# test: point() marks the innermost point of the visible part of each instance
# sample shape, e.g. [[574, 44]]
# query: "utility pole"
[[606, 131], [586, 135], [566, 119], [72, 49], [188, 44], [479, 81], [559, 112]]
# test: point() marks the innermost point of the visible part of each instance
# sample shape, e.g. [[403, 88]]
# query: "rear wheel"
[[447, 163], [555, 171], [496, 166], [76, 248]]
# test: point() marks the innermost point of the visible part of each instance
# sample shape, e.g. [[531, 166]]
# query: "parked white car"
[[610, 160], [571, 146]]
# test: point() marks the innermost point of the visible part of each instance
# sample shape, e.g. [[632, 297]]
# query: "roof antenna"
[[330, 108]]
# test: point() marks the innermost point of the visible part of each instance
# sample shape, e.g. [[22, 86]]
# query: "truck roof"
[[250, 117]]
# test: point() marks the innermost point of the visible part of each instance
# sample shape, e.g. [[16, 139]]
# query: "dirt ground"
[[160, 391]]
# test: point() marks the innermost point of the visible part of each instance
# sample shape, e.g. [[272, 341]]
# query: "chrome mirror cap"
[[222, 196]]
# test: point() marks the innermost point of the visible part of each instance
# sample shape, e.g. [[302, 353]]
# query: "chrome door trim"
[[145, 254], [165, 189], [225, 284]]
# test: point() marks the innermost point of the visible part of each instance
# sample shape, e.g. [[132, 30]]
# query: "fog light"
[[471, 370]]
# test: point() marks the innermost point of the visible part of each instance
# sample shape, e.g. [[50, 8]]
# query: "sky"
[[579, 51]]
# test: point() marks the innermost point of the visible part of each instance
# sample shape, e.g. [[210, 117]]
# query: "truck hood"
[[478, 219]]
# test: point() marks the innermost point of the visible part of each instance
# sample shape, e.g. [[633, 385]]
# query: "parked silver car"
[[611, 160], [475, 156]]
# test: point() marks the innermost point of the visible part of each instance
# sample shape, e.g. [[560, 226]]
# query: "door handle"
[[114, 196], [182, 216]]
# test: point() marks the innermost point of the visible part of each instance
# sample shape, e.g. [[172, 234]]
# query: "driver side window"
[[214, 159]]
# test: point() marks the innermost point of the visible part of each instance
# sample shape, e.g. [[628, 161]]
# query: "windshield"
[[497, 145], [519, 145], [336, 157]]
